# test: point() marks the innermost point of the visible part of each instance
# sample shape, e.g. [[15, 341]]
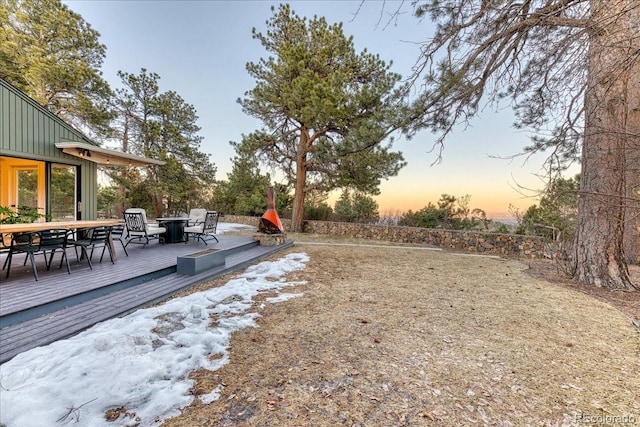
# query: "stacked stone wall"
[[465, 241]]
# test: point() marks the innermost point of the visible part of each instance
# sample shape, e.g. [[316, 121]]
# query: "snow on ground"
[[139, 362]]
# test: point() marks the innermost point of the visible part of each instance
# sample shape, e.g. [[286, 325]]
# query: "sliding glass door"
[[29, 185]]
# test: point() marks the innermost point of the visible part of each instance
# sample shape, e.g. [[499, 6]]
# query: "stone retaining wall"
[[466, 241]]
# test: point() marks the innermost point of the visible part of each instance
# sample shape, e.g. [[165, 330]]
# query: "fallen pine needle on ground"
[[392, 336]]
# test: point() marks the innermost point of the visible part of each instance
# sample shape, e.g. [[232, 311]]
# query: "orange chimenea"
[[270, 221]]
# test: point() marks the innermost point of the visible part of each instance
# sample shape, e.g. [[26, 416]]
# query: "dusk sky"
[[200, 49]]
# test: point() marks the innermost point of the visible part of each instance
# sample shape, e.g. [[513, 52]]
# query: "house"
[[47, 164]]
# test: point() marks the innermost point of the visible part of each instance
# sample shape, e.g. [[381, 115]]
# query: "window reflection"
[[63, 192]]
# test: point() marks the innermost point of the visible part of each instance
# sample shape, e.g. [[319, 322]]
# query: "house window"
[[26, 180], [62, 196], [22, 183], [51, 188]]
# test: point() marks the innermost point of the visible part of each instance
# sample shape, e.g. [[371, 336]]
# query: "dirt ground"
[[402, 336]]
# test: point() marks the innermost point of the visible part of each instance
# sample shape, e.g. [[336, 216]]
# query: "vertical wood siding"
[[27, 130]]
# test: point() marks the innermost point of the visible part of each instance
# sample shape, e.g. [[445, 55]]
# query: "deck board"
[[57, 285]]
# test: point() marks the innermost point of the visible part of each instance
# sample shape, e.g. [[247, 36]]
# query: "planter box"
[[198, 262]]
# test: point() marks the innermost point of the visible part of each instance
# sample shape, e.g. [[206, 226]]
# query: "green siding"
[[28, 130]]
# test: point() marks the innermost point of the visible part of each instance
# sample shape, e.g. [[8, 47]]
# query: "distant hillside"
[[494, 223], [507, 221]]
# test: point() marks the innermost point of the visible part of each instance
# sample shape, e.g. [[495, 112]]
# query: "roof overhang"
[[104, 156]]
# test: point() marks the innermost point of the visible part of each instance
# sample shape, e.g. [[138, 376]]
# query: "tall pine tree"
[[54, 56], [326, 109], [570, 69], [162, 125]]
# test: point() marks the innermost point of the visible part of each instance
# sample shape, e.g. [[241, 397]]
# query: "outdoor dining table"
[[58, 225]]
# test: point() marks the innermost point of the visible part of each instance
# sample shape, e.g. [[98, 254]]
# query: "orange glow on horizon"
[[493, 208], [494, 205]]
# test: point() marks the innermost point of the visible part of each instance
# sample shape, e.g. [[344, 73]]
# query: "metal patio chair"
[[139, 231], [206, 230], [93, 237], [117, 233], [196, 216], [39, 242]]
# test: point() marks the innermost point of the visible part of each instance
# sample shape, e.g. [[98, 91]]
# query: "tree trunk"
[[632, 215], [158, 206], [156, 193], [598, 254], [297, 216]]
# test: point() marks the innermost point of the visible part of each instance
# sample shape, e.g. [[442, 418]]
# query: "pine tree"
[[162, 125], [570, 70], [54, 56], [326, 110]]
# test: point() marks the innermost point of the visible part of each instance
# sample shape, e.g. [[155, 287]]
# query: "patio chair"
[[36, 242], [196, 216], [144, 216], [206, 230], [117, 233], [94, 237], [5, 245], [138, 230]]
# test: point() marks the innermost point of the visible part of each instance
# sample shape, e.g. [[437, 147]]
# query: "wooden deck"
[[35, 313]]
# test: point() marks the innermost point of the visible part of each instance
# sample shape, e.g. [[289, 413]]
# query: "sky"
[[72, 381], [200, 49]]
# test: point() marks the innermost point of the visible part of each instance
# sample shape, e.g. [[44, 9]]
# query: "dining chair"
[[206, 230], [93, 237], [5, 245], [117, 233], [52, 240], [39, 242]]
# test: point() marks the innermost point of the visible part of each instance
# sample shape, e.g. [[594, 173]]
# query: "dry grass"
[[392, 336]]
